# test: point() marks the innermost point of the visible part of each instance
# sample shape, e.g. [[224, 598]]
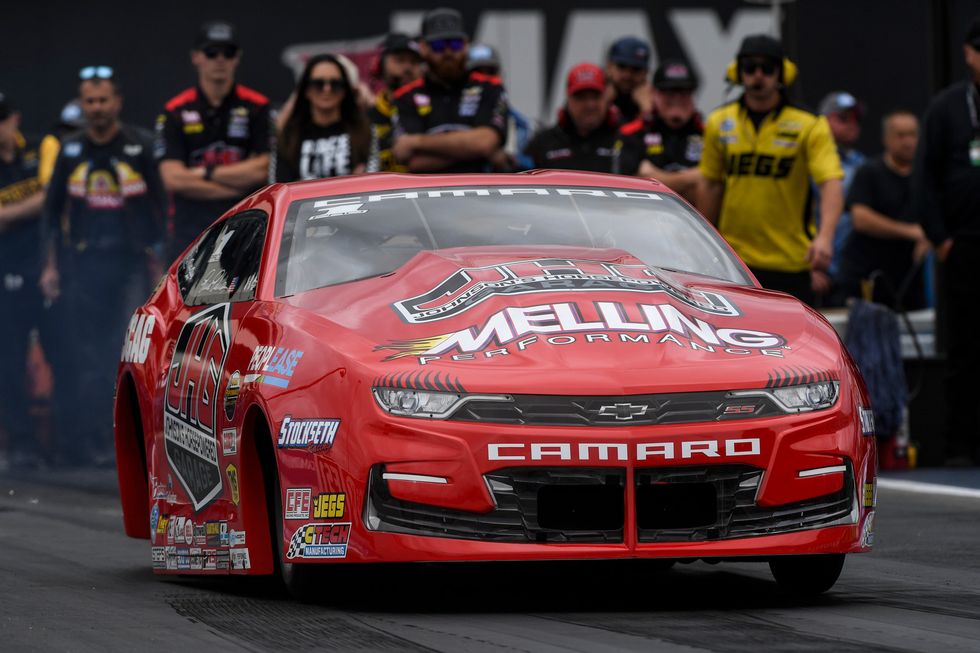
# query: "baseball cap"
[[674, 74], [482, 55], [630, 51], [761, 45], [216, 33], [585, 77], [443, 23], [398, 42], [973, 34], [840, 102]]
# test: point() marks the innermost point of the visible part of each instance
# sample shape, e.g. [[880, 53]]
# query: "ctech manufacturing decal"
[[190, 409], [318, 541]]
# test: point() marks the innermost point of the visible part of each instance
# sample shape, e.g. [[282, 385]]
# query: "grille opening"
[[581, 507], [676, 505]]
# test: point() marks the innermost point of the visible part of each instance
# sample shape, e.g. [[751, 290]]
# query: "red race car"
[[484, 367]]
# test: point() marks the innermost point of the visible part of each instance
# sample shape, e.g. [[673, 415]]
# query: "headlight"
[[423, 403], [798, 398]]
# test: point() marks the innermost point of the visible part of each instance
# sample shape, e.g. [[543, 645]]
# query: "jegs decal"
[[190, 409]]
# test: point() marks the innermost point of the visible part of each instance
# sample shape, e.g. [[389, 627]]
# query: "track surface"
[[71, 581]]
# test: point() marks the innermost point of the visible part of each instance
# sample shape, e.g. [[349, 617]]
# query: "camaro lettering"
[[590, 452]]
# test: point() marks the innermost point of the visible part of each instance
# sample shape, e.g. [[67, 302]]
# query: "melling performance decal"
[[469, 286], [515, 329], [192, 400]]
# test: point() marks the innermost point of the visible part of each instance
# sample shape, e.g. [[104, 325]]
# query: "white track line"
[[928, 488]]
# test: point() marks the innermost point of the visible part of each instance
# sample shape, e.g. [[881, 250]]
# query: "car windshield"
[[336, 239]]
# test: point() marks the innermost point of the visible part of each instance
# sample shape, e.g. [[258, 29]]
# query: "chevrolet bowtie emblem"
[[623, 411]]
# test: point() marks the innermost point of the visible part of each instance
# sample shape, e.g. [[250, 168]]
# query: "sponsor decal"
[[161, 491], [238, 126], [154, 518], [232, 473], [162, 529], [137, 342], [727, 125], [319, 541], [514, 329], [298, 503], [313, 434], [237, 538], [239, 559], [210, 559], [224, 559], [190, 116], [329, 506], [468, 287], [200, 539], [216, 533], [190, 407], [653, 138], [867, 417], [695, 145], [272, 365], [229, 441], [132, 149], [868, 531], [197, 559], [470, 100], [621, 451], [171, 554], [232, 390], [159, 557], [561, 153], [871, 494], [183, 558]]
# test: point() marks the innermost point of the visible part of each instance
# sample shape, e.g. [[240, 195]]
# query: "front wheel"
[[301, 581], [807, 575]]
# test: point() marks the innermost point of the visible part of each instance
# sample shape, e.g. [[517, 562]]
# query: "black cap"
[[216, 32], [973, 34], [761, 45], [630, 51], [398, 42], [482, 56], [443, 23], [5, 108], [674, 74]]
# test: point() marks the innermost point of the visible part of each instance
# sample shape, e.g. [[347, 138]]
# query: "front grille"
[[719, 503], [628, 410], [582, 505]]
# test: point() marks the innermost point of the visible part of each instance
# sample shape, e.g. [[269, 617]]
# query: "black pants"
[[796, 284], [20, 302], [961, 304]]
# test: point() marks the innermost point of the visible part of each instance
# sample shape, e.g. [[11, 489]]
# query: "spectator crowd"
[[92, 214]]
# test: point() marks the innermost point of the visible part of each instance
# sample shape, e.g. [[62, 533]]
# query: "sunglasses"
[[766, 66], [318, 84], [228, 51], [95, 72], [441, 45]]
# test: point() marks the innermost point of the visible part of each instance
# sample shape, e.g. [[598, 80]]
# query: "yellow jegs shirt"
[[765, 211]]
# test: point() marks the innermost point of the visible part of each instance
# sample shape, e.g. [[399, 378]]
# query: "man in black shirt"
[[627, 67], [398, 65], [448, 121], [885, 236], [946, 187], [213, 138], [588, 134], [102, 227], [20, 302], [672, 134]]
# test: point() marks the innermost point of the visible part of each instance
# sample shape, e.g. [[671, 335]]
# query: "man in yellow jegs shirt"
[[760, 153]]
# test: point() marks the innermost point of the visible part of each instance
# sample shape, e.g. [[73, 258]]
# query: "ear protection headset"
[[787, 75]]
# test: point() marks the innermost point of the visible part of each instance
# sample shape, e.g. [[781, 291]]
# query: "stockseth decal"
[[190, 410], [620, 451], [272, 365], [469, 286], [312, 434], [319, 541], [554, 324], [298, 502], [137, 342]]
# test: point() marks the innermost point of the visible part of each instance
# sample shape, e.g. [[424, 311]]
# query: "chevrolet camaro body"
[[484, 367]]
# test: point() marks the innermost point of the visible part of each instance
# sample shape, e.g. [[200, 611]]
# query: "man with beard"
[[448, 121], [672, 134], [213, 138], [587, 136], [627, 67], [399, 64], [760, 153], [101, 224]]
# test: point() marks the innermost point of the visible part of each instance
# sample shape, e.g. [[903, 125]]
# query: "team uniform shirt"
[[667, 148], [881, 189], [192, 131], [426, 106], [105, 197], [629, 110], [323, 152], [605, 149], [382, 137], [19, 248], [765, 212]]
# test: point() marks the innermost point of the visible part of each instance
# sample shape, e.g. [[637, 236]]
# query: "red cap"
[[585, 77]]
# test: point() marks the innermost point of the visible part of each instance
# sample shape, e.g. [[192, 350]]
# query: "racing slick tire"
[[807, 575]]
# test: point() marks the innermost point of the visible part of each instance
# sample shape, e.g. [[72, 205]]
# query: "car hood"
[[568, 321]]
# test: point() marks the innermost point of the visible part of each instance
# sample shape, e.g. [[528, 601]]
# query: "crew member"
[[760, 153], [399, 64], [627, 69], [213, 137], [448, 120]]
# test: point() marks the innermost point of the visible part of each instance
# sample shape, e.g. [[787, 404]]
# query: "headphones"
[[787, 75]]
